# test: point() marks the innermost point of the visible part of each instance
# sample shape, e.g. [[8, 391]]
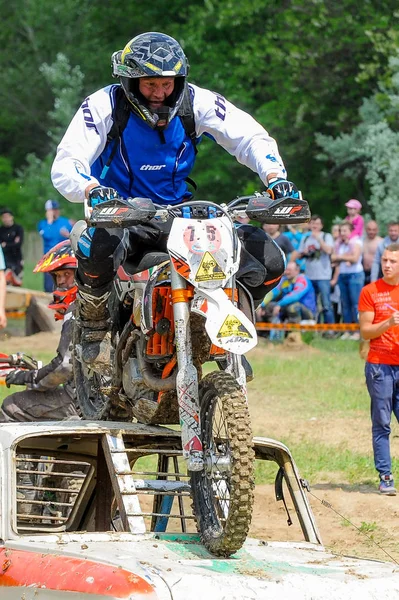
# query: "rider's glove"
[[20, 377], [281, 188], [100, 194]]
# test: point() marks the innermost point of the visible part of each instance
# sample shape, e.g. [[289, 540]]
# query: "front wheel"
[[223, 491]]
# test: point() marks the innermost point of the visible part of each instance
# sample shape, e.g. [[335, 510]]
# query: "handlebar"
[[19, 360], [124, 213]]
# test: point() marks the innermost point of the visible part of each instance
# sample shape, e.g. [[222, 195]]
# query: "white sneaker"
[[345, 336], [355, 336]]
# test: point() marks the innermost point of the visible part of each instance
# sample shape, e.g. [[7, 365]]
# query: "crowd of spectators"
[[335, 264]]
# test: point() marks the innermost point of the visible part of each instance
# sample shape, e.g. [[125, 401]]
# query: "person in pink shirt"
[[354, 207]]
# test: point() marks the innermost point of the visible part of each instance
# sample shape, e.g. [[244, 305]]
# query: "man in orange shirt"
[[379, 323]]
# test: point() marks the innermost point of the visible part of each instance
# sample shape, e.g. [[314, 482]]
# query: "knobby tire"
[[224, 522], [91, 403]]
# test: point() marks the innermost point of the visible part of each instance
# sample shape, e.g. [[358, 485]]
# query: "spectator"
[[370, 245], [292, 301], [335, 232], [295, 233], [391, 238], [353, 208], [348, 253], [379, 323], [281, 240], [53, 229], [11, 239], [3, 318], [335, 295], [316, 247]]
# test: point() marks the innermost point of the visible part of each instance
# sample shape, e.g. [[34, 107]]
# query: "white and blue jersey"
[[141, 166], [145, 166]]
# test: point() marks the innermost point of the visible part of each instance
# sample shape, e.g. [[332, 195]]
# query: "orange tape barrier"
[[308, 327], [15, 314]]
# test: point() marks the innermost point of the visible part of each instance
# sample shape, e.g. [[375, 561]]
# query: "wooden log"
[[17, 298], [39, 317]]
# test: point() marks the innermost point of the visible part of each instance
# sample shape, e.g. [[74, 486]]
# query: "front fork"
[[187, 377], [234, 365]]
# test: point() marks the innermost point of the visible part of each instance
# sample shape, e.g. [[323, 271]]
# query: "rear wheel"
[[223, 491], [91, 399]]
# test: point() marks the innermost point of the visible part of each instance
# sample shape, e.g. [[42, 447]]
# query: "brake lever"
[[19, 359]]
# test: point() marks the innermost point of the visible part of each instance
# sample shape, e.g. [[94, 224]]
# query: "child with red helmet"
[[50, 394], [61, 263]]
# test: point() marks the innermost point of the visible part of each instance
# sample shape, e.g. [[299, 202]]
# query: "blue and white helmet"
[[151, 54]]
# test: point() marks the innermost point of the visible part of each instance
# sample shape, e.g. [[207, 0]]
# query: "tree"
[[34, 178], [298, 66], [370, 152]]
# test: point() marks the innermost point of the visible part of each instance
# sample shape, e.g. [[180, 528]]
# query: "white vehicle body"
[[61, 546]]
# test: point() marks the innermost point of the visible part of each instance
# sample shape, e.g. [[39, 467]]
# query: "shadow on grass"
[[367, 487]]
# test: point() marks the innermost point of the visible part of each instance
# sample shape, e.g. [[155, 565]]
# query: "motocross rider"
[[152, 158], [50, 394]]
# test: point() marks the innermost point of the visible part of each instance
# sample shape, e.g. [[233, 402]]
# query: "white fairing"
[[207, 248], [226, 325]]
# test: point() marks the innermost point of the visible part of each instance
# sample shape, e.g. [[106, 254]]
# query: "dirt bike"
[[19, 360], [172, 312]]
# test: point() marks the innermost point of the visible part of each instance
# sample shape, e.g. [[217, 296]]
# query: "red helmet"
[[59, 257]]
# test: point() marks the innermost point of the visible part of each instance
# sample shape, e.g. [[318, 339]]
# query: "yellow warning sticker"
[[209, 270], [232, 326]]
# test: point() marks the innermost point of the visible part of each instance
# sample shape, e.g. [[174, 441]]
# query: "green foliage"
[[366, 527], [67, 97], [371, 149], [34, 177], [299, 67]]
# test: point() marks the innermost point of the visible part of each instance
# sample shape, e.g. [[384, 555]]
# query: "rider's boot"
[[94, 321]]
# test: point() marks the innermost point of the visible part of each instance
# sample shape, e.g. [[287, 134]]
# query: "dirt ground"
[[332, 501], [40, 342]]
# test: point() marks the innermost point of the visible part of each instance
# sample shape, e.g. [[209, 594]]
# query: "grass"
[[368, 527], [323, 381], [45, 357], [318, 383], [306, 399], [31, 280], [317, 463]]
